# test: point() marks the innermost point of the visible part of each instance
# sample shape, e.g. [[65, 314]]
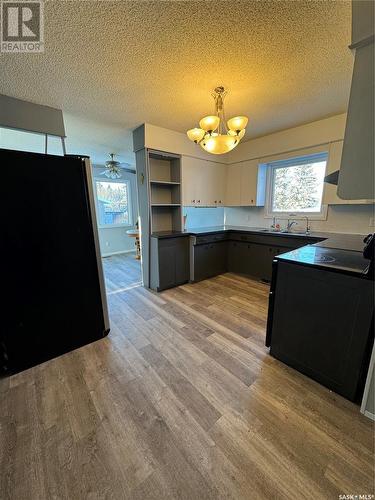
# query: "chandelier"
[[215, 135]]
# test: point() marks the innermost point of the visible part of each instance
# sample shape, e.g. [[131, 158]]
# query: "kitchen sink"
[[282, 232]]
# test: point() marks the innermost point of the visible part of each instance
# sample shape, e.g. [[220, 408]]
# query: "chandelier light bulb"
[[237, 123], [209, 123], [195, 134]]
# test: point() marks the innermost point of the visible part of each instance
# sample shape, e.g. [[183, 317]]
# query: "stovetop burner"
[[324, 258]]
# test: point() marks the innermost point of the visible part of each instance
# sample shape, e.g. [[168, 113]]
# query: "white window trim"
[[130, 205], [269, 214]]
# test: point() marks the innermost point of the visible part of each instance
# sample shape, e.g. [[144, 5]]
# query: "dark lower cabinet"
[[169, 262], [215, 254], [210, 260], [253, 259], [237, 255], [320, 323]]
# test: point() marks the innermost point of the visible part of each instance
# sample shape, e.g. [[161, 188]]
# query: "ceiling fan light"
[[209, 123], [237, 123], [195, 134]]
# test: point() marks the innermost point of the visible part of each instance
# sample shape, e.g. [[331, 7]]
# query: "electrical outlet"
[[107, 243], [372, 222]]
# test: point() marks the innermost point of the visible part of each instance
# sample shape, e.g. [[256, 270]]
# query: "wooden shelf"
[[165, 183]]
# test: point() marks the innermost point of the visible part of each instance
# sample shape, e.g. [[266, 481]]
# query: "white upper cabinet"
[[249, 182], [233, 186], [245, 184], [203, 183], [214, 184]]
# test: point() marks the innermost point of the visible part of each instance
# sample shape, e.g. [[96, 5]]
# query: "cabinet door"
[[167, 266], [211, 189], [210, 260], [249, 176], [201, 262], [233, 186], [182, 260], [238, 255], [218, 176], [218, 257], [321, 324], [190, 180]]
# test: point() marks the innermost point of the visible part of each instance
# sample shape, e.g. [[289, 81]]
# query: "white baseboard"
[[117, 253], [369, 414]]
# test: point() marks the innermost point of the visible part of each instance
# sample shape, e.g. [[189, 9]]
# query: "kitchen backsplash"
[[340, 219], [204, 217]]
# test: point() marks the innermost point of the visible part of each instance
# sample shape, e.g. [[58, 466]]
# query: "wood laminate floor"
[[121, 272], [180, 401]]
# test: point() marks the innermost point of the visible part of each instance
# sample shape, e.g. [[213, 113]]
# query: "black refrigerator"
[[53, 292]]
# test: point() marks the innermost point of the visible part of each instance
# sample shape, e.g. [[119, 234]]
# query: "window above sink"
[[295, 187]]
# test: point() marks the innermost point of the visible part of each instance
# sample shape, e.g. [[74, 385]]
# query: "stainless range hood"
[[357, 164]]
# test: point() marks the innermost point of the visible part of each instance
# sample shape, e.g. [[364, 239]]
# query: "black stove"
[[332, 258]]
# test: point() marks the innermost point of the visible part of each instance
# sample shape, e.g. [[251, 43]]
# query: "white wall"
[[305, 136], [114, 240], [340, 218], [163, 139]]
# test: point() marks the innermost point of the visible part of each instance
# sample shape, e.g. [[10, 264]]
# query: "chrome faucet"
[[307, 225], [290, 225]]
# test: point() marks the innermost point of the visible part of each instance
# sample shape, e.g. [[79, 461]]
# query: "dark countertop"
[[338, 251], [340, 241], [347, 261], [201, 231]]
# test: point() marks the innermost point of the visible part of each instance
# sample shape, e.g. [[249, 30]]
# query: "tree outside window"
[[113, 203], [296, 185]]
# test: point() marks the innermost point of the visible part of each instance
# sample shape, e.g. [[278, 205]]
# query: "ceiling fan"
[[113, 168]]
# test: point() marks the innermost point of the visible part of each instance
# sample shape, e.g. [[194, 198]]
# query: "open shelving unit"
[[165, 191], [159, 187]]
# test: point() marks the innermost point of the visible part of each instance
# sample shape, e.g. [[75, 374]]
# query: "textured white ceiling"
[[117, 64]]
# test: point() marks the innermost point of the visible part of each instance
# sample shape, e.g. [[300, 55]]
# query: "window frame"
[[288, 162], [130, 204]]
